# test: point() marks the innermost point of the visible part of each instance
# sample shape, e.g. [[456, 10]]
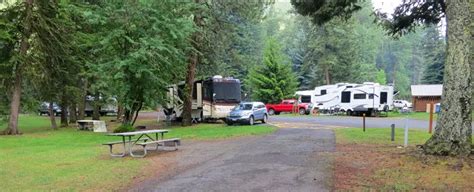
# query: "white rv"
[[368, 98], [213, 98]]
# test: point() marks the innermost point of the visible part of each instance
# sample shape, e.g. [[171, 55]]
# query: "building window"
[[360, 96]]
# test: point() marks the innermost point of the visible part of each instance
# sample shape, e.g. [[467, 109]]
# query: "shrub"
[[124, 128]]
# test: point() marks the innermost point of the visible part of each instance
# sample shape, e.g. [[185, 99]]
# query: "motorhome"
[[351, 98], [213, 98]]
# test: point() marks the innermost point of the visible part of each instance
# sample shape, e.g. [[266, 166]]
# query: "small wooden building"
[[422, 95]]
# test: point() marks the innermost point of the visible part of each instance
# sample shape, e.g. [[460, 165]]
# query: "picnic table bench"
[[143, 140]]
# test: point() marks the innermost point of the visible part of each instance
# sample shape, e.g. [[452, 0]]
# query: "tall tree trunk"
[[64, 110], [119, 111], [96, 106], [326, 75], [73, 113], [136, 113], [453, 130], [52, 115], [191, 71], [82, 101], [12, 128]]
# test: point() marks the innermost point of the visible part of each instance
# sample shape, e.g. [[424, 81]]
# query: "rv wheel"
[[349, 112]]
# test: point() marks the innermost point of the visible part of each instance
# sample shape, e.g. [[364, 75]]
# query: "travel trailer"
[[354, 99], [213, 99]]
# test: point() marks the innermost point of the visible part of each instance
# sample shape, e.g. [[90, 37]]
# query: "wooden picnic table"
[[141, 138]]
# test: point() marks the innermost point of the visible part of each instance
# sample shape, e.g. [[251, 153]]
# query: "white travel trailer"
[[213, 98], [368, 98]]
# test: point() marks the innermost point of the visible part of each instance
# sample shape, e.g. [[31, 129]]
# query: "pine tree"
[[274, 80], [434, 56]]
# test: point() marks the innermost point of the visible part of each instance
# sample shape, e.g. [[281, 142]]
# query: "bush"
[[124, 128]]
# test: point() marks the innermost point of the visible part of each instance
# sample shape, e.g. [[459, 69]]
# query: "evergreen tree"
[[381, 78], [434, 56], [274, 80]]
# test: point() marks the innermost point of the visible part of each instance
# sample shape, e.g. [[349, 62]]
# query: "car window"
[[244, 106], [291, 102], [285, 102]]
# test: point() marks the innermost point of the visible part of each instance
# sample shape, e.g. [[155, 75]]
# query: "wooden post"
[[431, 117], [392, 135], [363, 121]]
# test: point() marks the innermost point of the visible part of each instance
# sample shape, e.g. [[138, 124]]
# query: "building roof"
[[427, 90]]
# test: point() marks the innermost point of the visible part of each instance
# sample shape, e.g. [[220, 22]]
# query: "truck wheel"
[[251, 120], [265, 119], [302, 111], [271, 112]]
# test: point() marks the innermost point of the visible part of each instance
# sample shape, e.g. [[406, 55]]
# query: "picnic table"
[[141, 138]]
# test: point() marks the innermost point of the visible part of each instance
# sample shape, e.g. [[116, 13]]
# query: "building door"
[[346, 97]]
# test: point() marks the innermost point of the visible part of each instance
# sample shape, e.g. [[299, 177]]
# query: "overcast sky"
[[386, 6]]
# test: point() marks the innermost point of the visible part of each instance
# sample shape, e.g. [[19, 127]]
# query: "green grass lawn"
[[379, 136], [66, 159]]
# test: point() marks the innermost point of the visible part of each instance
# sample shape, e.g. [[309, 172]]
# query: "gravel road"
[[291, 159]]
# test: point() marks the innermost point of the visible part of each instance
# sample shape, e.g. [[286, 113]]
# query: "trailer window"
[[306, 99], [360, 96], [346, 97], [324, 92], [371, 96]]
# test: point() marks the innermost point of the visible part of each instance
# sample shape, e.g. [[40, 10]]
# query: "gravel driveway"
[[291, 159]]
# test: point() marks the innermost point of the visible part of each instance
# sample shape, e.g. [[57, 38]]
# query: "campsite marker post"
[[431, 117], [363, 121], [406, 132], [392, 135]]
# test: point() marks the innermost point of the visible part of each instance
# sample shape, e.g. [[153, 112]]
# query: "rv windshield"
[[227, 92]]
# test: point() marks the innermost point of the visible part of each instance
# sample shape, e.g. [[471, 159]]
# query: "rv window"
[[306, 99], [360, 96], [346, 97], [371, 96], [323, 92], [348, 86]]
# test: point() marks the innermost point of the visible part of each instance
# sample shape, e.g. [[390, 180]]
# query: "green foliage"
[[434, 54], [381, 78], [324, 11], [274, 80], [380, 136], [124, 128]]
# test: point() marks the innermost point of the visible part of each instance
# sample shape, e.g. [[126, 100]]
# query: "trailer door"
[[383, 97]]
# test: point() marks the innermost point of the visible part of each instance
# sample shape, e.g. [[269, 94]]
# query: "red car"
[[289, 105]]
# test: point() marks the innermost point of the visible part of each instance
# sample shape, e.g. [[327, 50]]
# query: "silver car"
[[248, 112]]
